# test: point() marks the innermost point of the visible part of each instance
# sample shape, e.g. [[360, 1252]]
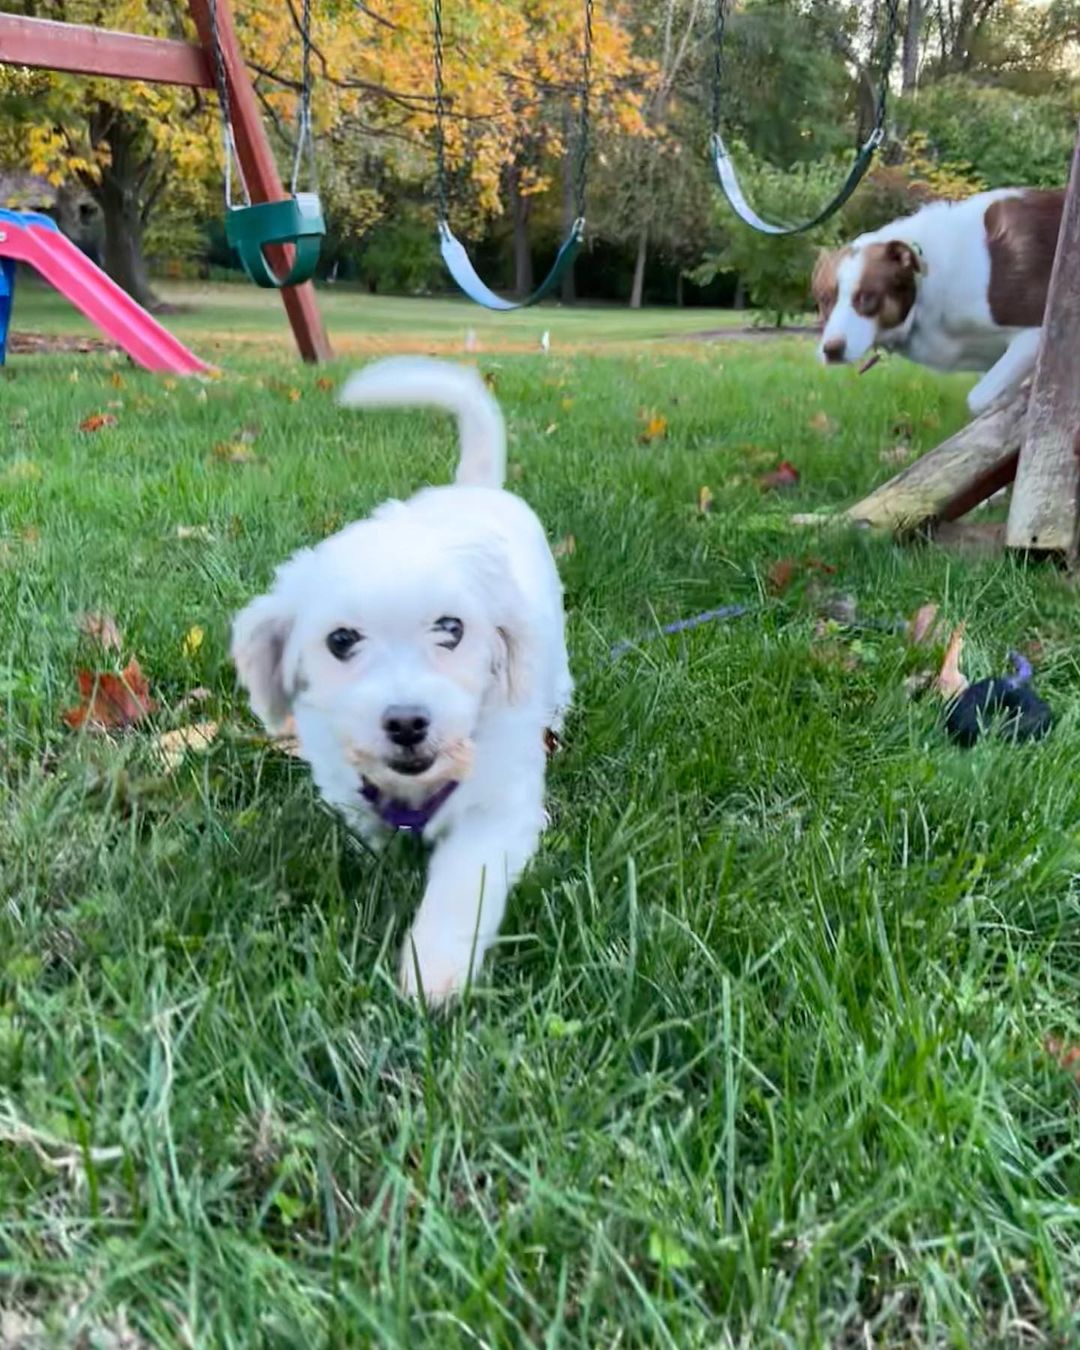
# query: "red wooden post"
[[259, 168]]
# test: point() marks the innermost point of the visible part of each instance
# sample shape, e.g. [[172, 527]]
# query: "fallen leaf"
[[172, 746], [917, 684], [103, 629], [784, 476], [951, 680], [193, 696], [922, 627], [1066, 1056], [704, 501], [116, 380], [822, 423], [655, 427], [325, 383], [293, 395], [194, 532], [564, 547], [235, 452], [781, 574], [551, 429], [110, 701], [898, 454], [97, 422], [193, 640]]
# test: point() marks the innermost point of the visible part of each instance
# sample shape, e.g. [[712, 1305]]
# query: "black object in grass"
[[1006, 700]]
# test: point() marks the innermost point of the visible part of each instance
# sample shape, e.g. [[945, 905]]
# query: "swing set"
[[276, 234]]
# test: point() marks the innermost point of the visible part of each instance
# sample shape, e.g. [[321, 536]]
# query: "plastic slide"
[[30, 238]]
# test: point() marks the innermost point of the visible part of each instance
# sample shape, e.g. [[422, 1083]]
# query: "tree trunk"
[[680, 298], [118, 196], [740, 294], [520, 206], [912, 36], [637, 290]]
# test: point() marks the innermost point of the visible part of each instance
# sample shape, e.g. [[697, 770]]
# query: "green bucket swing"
[[295, 221]]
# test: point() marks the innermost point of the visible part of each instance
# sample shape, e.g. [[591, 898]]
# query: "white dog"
[[422, 655]]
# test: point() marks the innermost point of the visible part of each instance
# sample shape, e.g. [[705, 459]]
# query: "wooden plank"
[[951, 479], [1045, 513], [260, 170], [83, 50]]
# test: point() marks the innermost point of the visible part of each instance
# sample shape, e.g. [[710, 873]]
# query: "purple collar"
[[398, 815]]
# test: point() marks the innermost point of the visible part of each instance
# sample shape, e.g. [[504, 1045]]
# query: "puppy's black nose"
[[833, 350], [406, 725]]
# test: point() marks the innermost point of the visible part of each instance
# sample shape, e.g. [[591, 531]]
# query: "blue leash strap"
[[681, 626]]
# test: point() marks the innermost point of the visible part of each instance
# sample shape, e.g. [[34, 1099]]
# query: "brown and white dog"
[[956, 286]]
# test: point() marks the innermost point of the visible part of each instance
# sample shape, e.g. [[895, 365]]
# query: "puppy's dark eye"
[[452, 630], [867, 303], [341, 642]]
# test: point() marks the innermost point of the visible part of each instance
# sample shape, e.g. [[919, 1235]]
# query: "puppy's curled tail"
[[418, 381]]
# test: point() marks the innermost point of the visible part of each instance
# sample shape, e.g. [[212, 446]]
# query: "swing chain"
[[892, 28], [441, 186], [581, 180], [305, 133], [442, 189], [221, 81]]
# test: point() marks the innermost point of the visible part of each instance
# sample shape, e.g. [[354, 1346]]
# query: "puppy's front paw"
[[443, 967]]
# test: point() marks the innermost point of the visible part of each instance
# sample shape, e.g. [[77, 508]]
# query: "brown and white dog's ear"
[[823, 280], [906, 257], [260, 636]]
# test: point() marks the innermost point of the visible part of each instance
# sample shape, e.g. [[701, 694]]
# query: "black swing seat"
[[461, 269], [729, 184]]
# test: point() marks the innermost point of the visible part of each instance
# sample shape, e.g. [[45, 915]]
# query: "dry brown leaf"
[[564, 547], [1065, 1055], [325, 383], [116, 380], [109, 701], [171, 746], [103, 629], [781, 574], [97, 422], [923, 627]]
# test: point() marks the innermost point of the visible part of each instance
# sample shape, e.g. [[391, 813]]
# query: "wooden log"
[[951, 479], [1044, 515]]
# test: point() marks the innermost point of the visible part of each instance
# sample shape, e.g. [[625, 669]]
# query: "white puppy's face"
[[386, 649]]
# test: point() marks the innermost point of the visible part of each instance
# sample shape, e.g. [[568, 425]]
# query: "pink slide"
[[35, 239]]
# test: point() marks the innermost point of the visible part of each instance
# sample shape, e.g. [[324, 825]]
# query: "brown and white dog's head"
[[865, 294]]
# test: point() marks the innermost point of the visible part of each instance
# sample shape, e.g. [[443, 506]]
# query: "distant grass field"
[[760, 1059], [220, 316]]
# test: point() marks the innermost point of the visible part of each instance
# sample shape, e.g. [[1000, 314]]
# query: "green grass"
[[759, 1060], [215, 318]]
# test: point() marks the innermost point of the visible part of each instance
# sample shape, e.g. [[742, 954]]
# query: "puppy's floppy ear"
[[905, 256], [512, 615], [259, 638]]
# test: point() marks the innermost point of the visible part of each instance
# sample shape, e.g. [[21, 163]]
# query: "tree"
[[129, 145]]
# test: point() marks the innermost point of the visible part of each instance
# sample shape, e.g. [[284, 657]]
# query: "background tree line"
[[985, 93]]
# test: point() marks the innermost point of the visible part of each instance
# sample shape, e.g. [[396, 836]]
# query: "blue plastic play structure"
[[7, 295]]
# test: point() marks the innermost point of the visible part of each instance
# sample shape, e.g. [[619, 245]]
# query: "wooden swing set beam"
[[83, 50]]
